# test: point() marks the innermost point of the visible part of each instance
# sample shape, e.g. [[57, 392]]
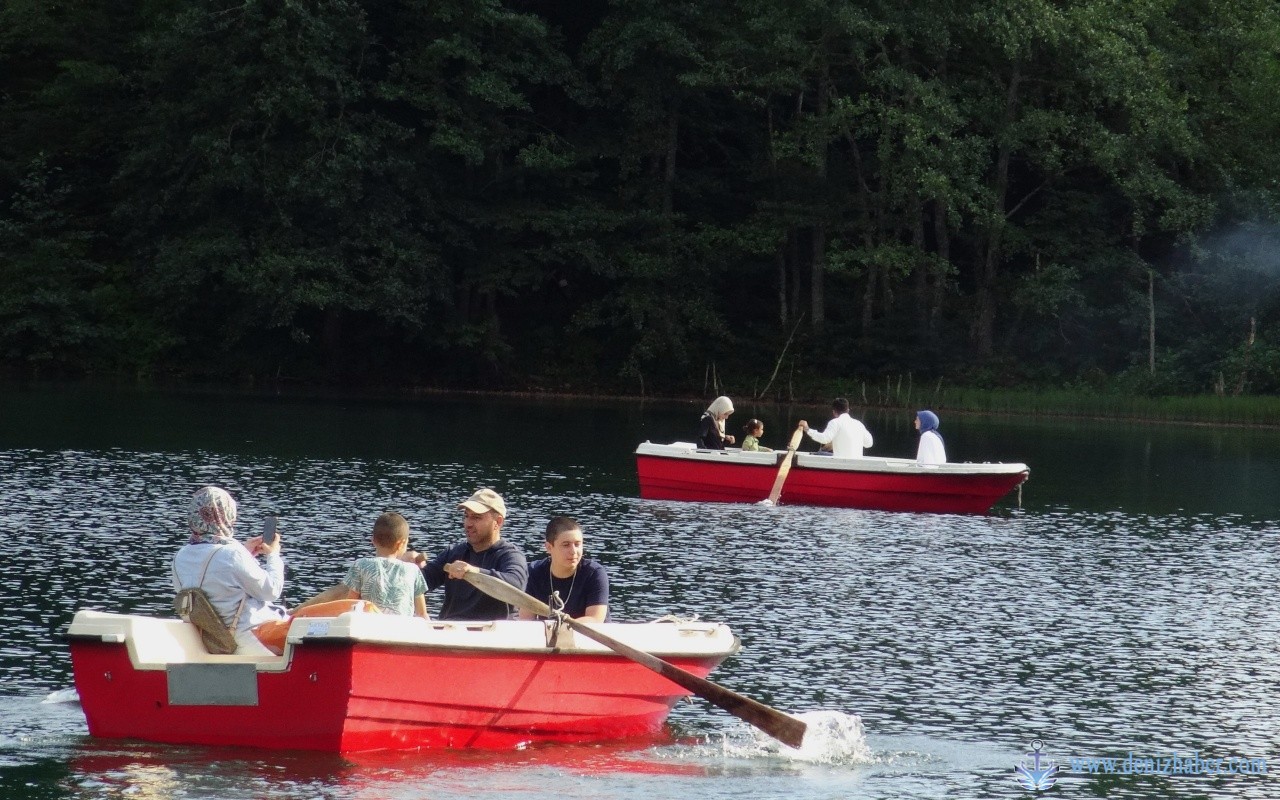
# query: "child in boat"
[[394, 586], [754, 429], [931, 450]]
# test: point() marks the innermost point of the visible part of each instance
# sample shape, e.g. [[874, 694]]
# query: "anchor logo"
[[1035, 772]]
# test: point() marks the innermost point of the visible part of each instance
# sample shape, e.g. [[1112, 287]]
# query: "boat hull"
[[350, 695], [668, 472]]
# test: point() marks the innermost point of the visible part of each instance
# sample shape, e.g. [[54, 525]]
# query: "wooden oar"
[[781, 726], [785, 467]]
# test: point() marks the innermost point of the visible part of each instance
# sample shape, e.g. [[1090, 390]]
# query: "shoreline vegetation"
[[1247, 411], [893, 394]]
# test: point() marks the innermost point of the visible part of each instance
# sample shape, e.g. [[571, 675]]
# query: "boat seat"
[[155, 643], [161, 641]]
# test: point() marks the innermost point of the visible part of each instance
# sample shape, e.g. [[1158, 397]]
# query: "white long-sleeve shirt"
[[233, 575], [931, 450], [846, 435]]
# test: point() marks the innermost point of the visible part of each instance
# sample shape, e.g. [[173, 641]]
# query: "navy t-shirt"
[[589, 586], [464, 601]]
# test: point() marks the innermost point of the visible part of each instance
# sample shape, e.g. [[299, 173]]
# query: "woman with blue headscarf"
[[931, 450]]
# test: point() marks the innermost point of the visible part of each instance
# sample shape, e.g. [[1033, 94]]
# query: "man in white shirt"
[[846, 435]]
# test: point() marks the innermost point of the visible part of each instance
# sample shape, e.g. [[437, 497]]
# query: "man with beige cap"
[[483, 551]]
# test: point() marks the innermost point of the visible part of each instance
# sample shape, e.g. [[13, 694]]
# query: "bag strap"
[[200, 585], [203, 570]]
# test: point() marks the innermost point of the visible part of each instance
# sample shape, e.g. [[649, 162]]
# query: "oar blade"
[[781, 726], [778, 724], [785, 468]]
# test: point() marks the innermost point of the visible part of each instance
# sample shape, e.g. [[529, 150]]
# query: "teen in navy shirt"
[[583, 584]]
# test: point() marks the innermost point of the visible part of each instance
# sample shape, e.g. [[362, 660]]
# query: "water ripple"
[[1098, 632]]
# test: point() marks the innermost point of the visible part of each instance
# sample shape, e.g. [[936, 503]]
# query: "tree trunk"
[[797, 273], [817, 306], [868, 299], [1151, 321], [781, 259], [920, 272], [1248, 351], [669, 173], [492, 329], [983, 332], [816, 289], [942, 245]]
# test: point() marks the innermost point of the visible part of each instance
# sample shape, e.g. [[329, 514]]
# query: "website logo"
[[1035, 772]]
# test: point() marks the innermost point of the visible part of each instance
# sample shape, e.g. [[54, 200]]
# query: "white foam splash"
[[62, 696], [831, 737]]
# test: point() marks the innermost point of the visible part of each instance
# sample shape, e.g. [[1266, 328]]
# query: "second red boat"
[[682, 471]]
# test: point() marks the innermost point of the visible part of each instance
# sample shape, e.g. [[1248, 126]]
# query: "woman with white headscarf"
[[711, 435], [242, 591]]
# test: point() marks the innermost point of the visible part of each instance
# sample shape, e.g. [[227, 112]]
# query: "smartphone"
[[269, 531]]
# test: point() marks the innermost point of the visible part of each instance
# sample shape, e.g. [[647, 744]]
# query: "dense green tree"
[[641, 195]]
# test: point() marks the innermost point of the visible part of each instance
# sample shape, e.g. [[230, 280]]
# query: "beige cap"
[[485, 500]]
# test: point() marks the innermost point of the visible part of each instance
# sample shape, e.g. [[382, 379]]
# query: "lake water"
[[1130, 606]]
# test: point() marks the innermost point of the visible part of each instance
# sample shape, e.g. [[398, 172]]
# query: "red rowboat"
[[363, 682], [682, 471]]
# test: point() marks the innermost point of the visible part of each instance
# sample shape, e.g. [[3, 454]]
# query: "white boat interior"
[[154, 643], [733, 455]]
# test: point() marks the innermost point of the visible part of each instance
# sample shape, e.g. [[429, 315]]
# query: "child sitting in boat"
[[393, 585], [931, 450], [754, 429]]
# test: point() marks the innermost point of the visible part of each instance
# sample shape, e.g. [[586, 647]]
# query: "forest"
[[644, 196]]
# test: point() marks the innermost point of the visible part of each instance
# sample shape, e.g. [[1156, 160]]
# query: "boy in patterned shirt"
[[395, 586]]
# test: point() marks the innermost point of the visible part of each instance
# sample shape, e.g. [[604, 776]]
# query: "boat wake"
[[831, 738], [62, 696]]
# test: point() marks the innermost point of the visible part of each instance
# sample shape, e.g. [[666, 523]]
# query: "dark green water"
[[1130, 605]]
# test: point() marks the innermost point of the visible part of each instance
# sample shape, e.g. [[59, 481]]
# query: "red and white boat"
[[364, 682], [682, 471]]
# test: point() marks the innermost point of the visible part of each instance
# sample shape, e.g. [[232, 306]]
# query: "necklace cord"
[[558, 603]]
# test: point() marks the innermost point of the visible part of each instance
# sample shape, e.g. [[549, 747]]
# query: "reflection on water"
[[1098, 627]]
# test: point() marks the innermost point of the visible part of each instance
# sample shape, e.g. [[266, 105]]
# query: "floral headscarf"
[[212, 515]]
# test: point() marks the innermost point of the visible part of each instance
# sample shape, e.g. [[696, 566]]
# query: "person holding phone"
[[243, 592]]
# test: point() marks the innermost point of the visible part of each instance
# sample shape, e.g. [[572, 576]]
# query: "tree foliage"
[[636, 194]]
